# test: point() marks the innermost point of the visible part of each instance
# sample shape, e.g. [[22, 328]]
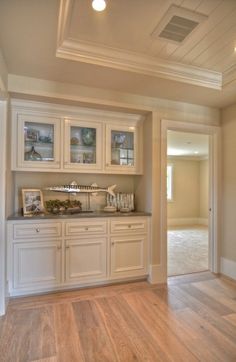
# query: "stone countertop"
[[80, 215]]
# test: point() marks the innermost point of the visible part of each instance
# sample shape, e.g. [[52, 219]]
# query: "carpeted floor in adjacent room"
[[187, 249]]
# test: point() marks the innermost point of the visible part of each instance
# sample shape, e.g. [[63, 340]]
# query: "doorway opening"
[[187, 202]]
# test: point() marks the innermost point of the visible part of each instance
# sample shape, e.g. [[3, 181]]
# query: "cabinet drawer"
[[85, 227], [36, 230], [131, 225]]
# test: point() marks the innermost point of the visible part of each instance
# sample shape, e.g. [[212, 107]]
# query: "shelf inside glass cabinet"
[[122, 148], [38, 142], [83, 145]]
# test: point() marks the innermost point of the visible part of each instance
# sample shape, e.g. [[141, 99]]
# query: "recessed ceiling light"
[[235, 49], [196, 152], [99, 5]]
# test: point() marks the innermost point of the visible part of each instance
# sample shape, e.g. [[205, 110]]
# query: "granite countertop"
[[80, 215]]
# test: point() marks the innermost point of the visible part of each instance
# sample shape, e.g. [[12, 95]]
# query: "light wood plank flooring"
[[191, 319]]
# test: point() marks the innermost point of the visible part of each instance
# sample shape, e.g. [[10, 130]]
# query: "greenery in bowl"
[[59, 206]]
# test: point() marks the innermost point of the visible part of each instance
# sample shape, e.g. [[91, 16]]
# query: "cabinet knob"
[[67, 247], [37, 230], [86, 228], [112, 243], [129, 226], [59, 248]]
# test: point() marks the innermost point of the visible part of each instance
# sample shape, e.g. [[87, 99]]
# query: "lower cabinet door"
[[37, 264], [86, 259], [128, 256]]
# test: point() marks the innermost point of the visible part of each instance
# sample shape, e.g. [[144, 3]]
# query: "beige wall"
[[190, 189], [186, 179], [40, 180], [228, 247], [204, 186]]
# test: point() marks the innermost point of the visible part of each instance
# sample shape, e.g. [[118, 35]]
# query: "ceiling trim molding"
[[90, 52], [229, 76], [64, 18]]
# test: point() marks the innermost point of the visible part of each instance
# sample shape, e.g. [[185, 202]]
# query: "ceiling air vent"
[[177, 24]]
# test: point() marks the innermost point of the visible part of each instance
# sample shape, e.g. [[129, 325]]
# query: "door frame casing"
[[214, 134], [3, 165]]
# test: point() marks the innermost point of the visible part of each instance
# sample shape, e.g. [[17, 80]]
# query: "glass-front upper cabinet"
[[121, 148], [83, 147], [38, 140]]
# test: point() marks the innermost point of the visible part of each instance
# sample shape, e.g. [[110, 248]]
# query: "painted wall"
[[228, 245], [190, 191], [41, 180], [204, 188], [186, 192]]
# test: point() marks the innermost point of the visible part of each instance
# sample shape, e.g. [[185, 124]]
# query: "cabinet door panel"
[[83, 146], [85, 259], [123, 151], [37, 264], [128, 256], [38, 141]]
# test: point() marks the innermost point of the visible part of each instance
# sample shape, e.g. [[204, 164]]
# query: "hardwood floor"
[[191, 319]]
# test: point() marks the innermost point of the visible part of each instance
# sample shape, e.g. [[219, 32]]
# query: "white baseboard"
[[228, 267], [156, 274], [187, 221]]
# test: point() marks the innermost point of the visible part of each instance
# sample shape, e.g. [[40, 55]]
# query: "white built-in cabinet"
[[36, 264], [58, 254], [56, 139]]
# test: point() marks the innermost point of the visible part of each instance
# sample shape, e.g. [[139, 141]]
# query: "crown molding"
[[92, 53], [229, 76]]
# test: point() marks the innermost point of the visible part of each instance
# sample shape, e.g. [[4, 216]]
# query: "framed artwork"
[[32, 201], [31, 134]]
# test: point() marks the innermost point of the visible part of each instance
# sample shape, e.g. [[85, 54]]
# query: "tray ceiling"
[[121, 38], [66, 41]]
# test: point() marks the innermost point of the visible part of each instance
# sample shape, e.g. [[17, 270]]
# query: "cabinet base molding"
[[157, 275], [57, 289]]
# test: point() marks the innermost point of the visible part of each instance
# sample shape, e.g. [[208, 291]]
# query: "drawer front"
[[36, 230], [130, 225], [86, 227]]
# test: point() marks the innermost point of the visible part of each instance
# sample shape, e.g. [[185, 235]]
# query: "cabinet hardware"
[[59, 248], [112, 243], [86, 228], [67, 247], [129, 226], [37, 230]]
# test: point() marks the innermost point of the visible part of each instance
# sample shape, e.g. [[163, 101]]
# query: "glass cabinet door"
[[121, 148], [83, 145], [39, 140]]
